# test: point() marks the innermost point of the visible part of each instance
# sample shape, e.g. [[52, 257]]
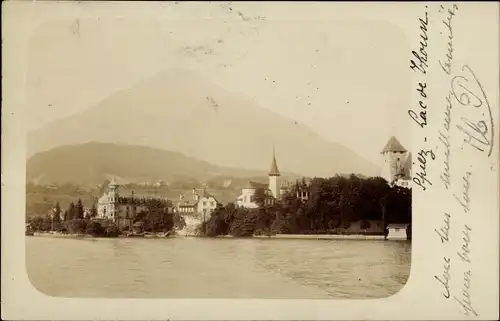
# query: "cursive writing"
[[465, 301], [447, 112], [419, 63], [463, 94], [465, 250], [445, 175], [478, 133], [464, 199], [475, 133], [421, 176], [444, 280], [447, 65], [421, 56], [444, 232], [421, 117]]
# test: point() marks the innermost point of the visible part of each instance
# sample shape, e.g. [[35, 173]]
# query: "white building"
[[197, 203], [122, 210], [272, 190], [397, 231], [396, 163]]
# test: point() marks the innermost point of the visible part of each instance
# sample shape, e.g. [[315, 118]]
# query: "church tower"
[[112, 198], [274, 178], [393, 158]]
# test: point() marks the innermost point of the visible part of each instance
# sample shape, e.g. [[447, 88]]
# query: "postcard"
[[250, 160]]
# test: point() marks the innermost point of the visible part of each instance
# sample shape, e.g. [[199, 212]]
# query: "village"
[[193, 212]]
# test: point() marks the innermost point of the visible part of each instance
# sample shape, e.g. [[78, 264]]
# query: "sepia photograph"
[[239, 158], [219, 160]]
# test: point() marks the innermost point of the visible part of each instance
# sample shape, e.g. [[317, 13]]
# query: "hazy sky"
[[349, 81]]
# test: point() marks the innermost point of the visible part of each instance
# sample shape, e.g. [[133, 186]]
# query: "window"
[[212, 203], [397, 229], [204, 203]]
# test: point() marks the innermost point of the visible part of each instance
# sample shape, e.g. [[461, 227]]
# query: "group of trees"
[[156, 216], [76, 225], [76, 211], [150, 202], [332, 205]]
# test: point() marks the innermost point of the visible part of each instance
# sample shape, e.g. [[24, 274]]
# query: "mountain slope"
[[182, 112], [92, 163]]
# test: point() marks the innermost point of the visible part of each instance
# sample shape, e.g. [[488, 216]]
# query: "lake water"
[[217, 268]]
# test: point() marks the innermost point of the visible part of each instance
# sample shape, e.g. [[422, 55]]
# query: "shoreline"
[[322, 237], [277, 236], [61, 235]]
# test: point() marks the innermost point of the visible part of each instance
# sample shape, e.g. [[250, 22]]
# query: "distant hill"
[[92, 163], [182, 112]]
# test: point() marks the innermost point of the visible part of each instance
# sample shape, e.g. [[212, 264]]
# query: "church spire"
[[113, 182], [274, 166]]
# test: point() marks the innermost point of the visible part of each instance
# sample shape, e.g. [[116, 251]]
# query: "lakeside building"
[[197, 203], [122, 210], [396, 164], [398, 232]]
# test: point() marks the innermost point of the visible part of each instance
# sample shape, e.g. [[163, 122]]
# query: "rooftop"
[[393, 145], [400, 225], [256, 185], [189, 199]]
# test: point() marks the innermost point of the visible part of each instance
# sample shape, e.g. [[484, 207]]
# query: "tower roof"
[[113, 182], [274, 166], [393, 145]]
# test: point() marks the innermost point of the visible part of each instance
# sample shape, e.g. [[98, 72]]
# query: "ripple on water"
[[206, 268]]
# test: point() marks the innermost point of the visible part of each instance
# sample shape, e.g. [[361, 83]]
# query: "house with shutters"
[[197, 203]]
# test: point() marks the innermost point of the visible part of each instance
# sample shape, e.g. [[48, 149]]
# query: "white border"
[[420, 299]]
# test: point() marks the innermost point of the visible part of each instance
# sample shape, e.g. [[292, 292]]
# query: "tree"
[[71, 212], [76, 226], [95, 229], [40, 223], [244, 223], [260, 197], [112, 231], [265, 217], [179, 222], [56, 218], [79, 212], [93, 211], [334, 203]]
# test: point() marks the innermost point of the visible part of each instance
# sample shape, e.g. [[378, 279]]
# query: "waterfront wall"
[[322, 237], [279, 236]]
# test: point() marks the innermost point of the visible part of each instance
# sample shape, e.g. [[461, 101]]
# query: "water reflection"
[[203, 268]]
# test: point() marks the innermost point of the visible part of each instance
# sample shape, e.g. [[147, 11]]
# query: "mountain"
[[92, 163], [182, 112]]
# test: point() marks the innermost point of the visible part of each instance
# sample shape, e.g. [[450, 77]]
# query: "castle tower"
[[274, 178], [112, 198], [393, 159]]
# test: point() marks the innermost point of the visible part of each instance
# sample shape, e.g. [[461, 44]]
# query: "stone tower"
[[394, 158], [274, 178]]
